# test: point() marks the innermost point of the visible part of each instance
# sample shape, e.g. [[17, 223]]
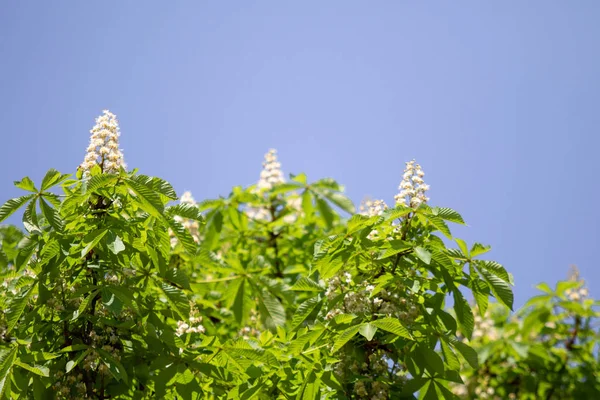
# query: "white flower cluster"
[[103, 149], [359, 299], [184, 327], [271, 173], [484, 327], [65, 386], [295, 206], [247, 332], [412, 188], [192, 226], [371, 208], [579, 293], [378, 366]]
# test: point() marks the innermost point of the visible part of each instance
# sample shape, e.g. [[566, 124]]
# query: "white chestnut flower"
[[271, 173], [103, 149], [412, 188]]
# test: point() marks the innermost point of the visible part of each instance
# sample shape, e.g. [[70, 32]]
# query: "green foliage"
[[278, 290], [547, 350]]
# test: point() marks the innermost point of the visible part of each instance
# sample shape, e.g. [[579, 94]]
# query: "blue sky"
[[498, 101]]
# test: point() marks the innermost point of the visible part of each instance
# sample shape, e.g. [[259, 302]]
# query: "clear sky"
[[498, 101]]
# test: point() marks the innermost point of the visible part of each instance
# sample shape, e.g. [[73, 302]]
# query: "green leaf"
[[114, 243], [326, 211], [495, 269], [184, 236], [51, 215], [433, 361], [392, 325], [357, 222], [7, 360], [146, 197], [73, 363], [463, 247], [395, 247], [304, 311], [16, 308], [440, 225], [271, 308], [186, 211], [26, 184], [100, 181], [177, 299], [449, 355], [467, 352], [481, 293], [464, 314], [423, 255], [449, 215], [344, 337], [304, 284], [340, 200], [368, 330], [91, 240], [115, 367], [500, 288], [30, 220], [157, 184], [13, 205], [341, 319], [36, 369], [284, 188], [544, 287], [397, 212], [75, 347], [478, 249], [84, 305], [52, 178]]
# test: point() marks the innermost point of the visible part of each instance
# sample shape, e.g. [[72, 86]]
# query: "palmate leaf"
[[13, 205]]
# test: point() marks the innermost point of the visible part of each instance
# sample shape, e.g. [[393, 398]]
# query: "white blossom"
[[271, 173], [103, 149], [412, 188]]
